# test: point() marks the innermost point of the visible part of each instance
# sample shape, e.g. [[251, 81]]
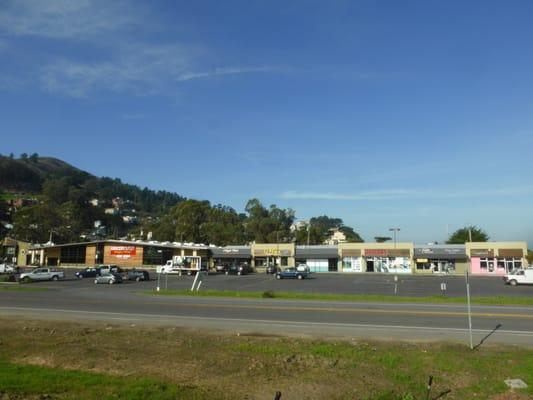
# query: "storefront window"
[[351, 264], [73, 255]]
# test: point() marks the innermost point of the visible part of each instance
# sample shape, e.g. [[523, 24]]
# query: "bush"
[[269, 294], [8, 278]]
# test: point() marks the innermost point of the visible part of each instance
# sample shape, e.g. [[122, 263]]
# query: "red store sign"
[[123, 251], [376, 252]]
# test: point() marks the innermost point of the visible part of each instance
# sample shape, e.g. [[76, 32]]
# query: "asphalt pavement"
[[128, 303]]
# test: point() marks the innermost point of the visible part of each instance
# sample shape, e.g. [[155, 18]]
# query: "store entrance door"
[[370, 265]]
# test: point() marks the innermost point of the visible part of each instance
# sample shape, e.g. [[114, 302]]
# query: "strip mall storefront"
[[376, 257], [493, 258], [231, 255], [125, 254], [273, 254], [318, 258], [441, 259]]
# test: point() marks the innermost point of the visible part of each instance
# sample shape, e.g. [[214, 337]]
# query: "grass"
[[496, 300], [31, 380], [100, 361]]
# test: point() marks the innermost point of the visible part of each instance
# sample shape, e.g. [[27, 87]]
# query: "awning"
[[441, 252], [316, 252], [242, 252]]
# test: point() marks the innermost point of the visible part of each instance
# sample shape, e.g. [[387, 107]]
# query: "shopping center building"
[[479, 258]]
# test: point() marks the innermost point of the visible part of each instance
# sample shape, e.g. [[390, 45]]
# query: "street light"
[[394, 230]]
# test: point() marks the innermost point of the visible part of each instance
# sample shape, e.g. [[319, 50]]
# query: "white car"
[[42, 274], [519, 277]]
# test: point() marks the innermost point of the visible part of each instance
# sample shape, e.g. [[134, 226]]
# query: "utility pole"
[[394, 230], [308, 232]]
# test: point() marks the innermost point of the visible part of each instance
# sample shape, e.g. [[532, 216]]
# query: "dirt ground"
[[256, 366]]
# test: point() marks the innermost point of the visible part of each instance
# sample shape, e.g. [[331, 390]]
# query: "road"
[[84, 301]]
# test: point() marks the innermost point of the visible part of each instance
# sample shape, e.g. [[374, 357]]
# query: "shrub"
[[269, 294]]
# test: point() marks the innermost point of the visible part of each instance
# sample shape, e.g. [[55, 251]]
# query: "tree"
[[314, 233], [382, 239], [190, 217], [34, 157], [33, 224], [24, 156], [56, 191], [268, 225], [351, 235], [223, 226], [462, 235]]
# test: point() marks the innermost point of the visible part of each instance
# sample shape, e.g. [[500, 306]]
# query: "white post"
[[469, 310], [194, 282], [158, 280]]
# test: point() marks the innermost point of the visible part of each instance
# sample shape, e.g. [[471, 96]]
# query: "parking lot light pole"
[[394, 230]]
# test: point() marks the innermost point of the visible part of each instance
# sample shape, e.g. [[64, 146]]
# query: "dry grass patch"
[[223, 366]]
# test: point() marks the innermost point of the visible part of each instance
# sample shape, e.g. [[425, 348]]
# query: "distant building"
[[117, 202], [336, 236], [298, 225], [130, 219]]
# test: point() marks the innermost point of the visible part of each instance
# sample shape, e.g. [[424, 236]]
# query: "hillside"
[[29, 174], [44, 194]]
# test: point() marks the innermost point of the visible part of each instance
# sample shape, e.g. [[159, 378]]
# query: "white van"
[[519, 277]]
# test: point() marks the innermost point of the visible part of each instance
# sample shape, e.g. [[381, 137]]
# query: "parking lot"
[[337, 283]]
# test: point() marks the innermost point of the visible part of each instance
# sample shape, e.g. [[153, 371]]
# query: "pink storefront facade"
[[496, 259]]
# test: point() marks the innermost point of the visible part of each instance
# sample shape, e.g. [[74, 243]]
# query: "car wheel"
[[79, 276], [227, 272], [26, 279], [300, 277], [96, 281], [55, 278], [239, 273], [513, 282], [138, 279], [278, 276], [111, 281]]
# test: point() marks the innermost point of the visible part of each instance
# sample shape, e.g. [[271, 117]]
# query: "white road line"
[[128, 316]]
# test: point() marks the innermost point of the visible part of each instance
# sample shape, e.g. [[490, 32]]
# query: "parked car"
[[238, 269], [272, 269], [109, 278], [90, 272], [291, 272], [107, 268], [220, 267], [519, 277], [42, 274], [138, 275]]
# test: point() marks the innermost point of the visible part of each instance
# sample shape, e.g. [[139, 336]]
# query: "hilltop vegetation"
[[64, 202]]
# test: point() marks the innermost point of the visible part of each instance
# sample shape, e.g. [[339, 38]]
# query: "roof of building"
[[169, 245]]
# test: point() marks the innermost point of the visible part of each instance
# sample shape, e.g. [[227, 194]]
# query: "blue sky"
[[415, 114]]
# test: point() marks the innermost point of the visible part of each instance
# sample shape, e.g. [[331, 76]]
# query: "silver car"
[[109, 278]]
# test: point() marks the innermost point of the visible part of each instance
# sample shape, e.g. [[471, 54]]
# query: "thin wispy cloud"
[[396, 194], [137, 69], [63, 18], [114, 63], [222, 71]]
